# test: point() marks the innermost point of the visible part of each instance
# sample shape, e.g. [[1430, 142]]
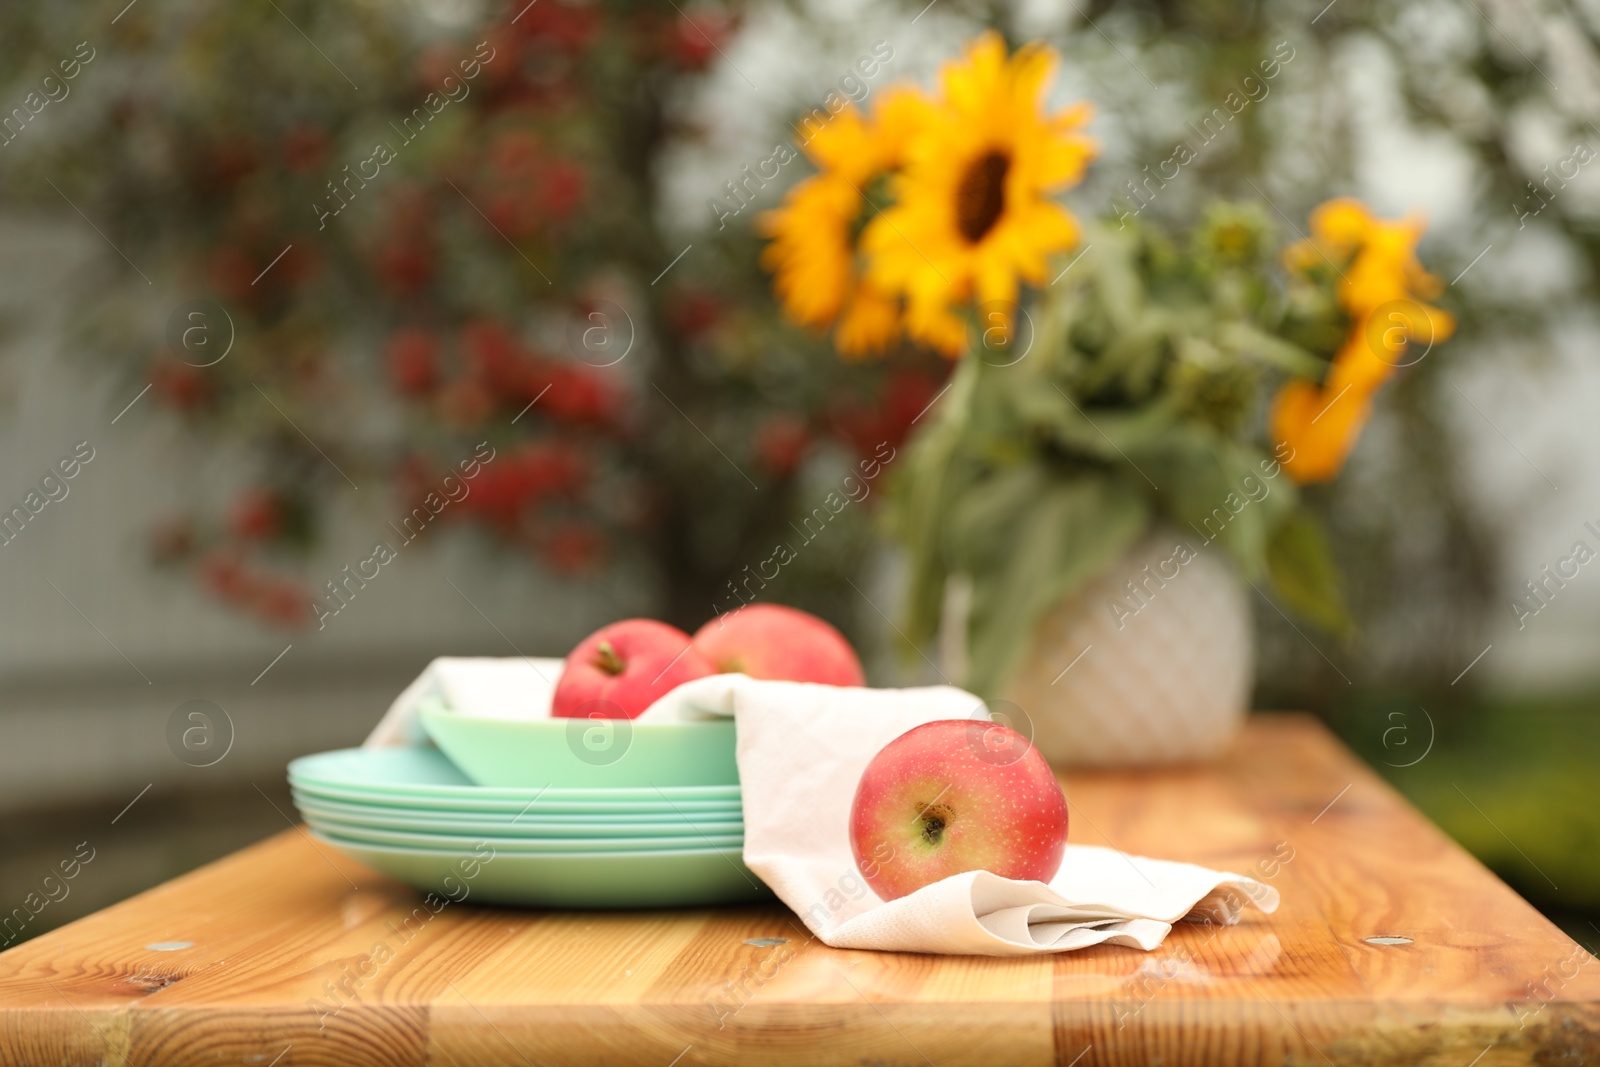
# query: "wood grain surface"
[[1483, 981]]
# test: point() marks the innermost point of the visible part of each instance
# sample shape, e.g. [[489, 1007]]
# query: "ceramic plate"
[[502, 824], [584, 813], [522, 845], [578, 880]]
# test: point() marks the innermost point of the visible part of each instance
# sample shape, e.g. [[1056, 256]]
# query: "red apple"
[[772, 641], [956, 795], [619, 670]]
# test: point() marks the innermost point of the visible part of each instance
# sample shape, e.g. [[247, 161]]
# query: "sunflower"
[[971, 215], [813, 255], [1381, 286], [1318, 426]]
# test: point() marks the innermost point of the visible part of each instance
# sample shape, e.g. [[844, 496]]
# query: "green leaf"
[[1303, 572], [923, 492], [1029, 540], [1272, 351]]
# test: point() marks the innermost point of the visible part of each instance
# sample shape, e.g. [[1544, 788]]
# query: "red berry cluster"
[[270, 598], [493, 372]]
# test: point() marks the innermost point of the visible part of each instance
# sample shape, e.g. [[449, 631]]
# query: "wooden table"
[[1483, 979]]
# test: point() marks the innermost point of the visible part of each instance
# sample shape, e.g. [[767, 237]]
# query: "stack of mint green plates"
[[411, 814]]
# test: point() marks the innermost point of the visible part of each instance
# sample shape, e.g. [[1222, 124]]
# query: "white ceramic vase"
[[1149, 663]]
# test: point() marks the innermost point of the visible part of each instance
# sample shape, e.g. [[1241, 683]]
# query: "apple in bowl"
[[956, 795], [621, 669], [776, 642]]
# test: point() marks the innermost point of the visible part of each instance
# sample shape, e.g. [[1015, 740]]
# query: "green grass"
[[1515, 780]]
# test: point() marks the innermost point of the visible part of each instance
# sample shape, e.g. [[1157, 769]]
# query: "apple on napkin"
[[956, 795]]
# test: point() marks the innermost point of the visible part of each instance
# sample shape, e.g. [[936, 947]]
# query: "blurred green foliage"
[[1513, 780]]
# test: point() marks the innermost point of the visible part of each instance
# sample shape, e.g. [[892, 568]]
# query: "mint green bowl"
[[585, 753], [579, 880]]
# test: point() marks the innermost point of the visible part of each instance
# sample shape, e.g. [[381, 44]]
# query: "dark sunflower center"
[[981, 196]]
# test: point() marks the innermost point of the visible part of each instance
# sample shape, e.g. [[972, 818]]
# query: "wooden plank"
[[286, 966]]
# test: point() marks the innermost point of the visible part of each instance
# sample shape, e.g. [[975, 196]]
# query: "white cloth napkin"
[[801, 751], [510, 688]]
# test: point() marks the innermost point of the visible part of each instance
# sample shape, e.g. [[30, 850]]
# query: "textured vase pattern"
[[1150, 663]]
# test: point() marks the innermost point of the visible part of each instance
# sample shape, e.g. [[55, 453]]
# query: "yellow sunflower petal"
[[976, 82], [1063, 159], [931, 322], [869, 326], [901, 113], [996, 282], [1342, 222], [1363, 363], [1033, 68], [1440, 326], [847, 146], [1320, 430], [810, 254]]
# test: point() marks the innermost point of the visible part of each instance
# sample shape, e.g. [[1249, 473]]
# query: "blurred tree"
[[427, 236]]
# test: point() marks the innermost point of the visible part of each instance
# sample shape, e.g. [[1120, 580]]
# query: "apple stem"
[[606, 658]]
